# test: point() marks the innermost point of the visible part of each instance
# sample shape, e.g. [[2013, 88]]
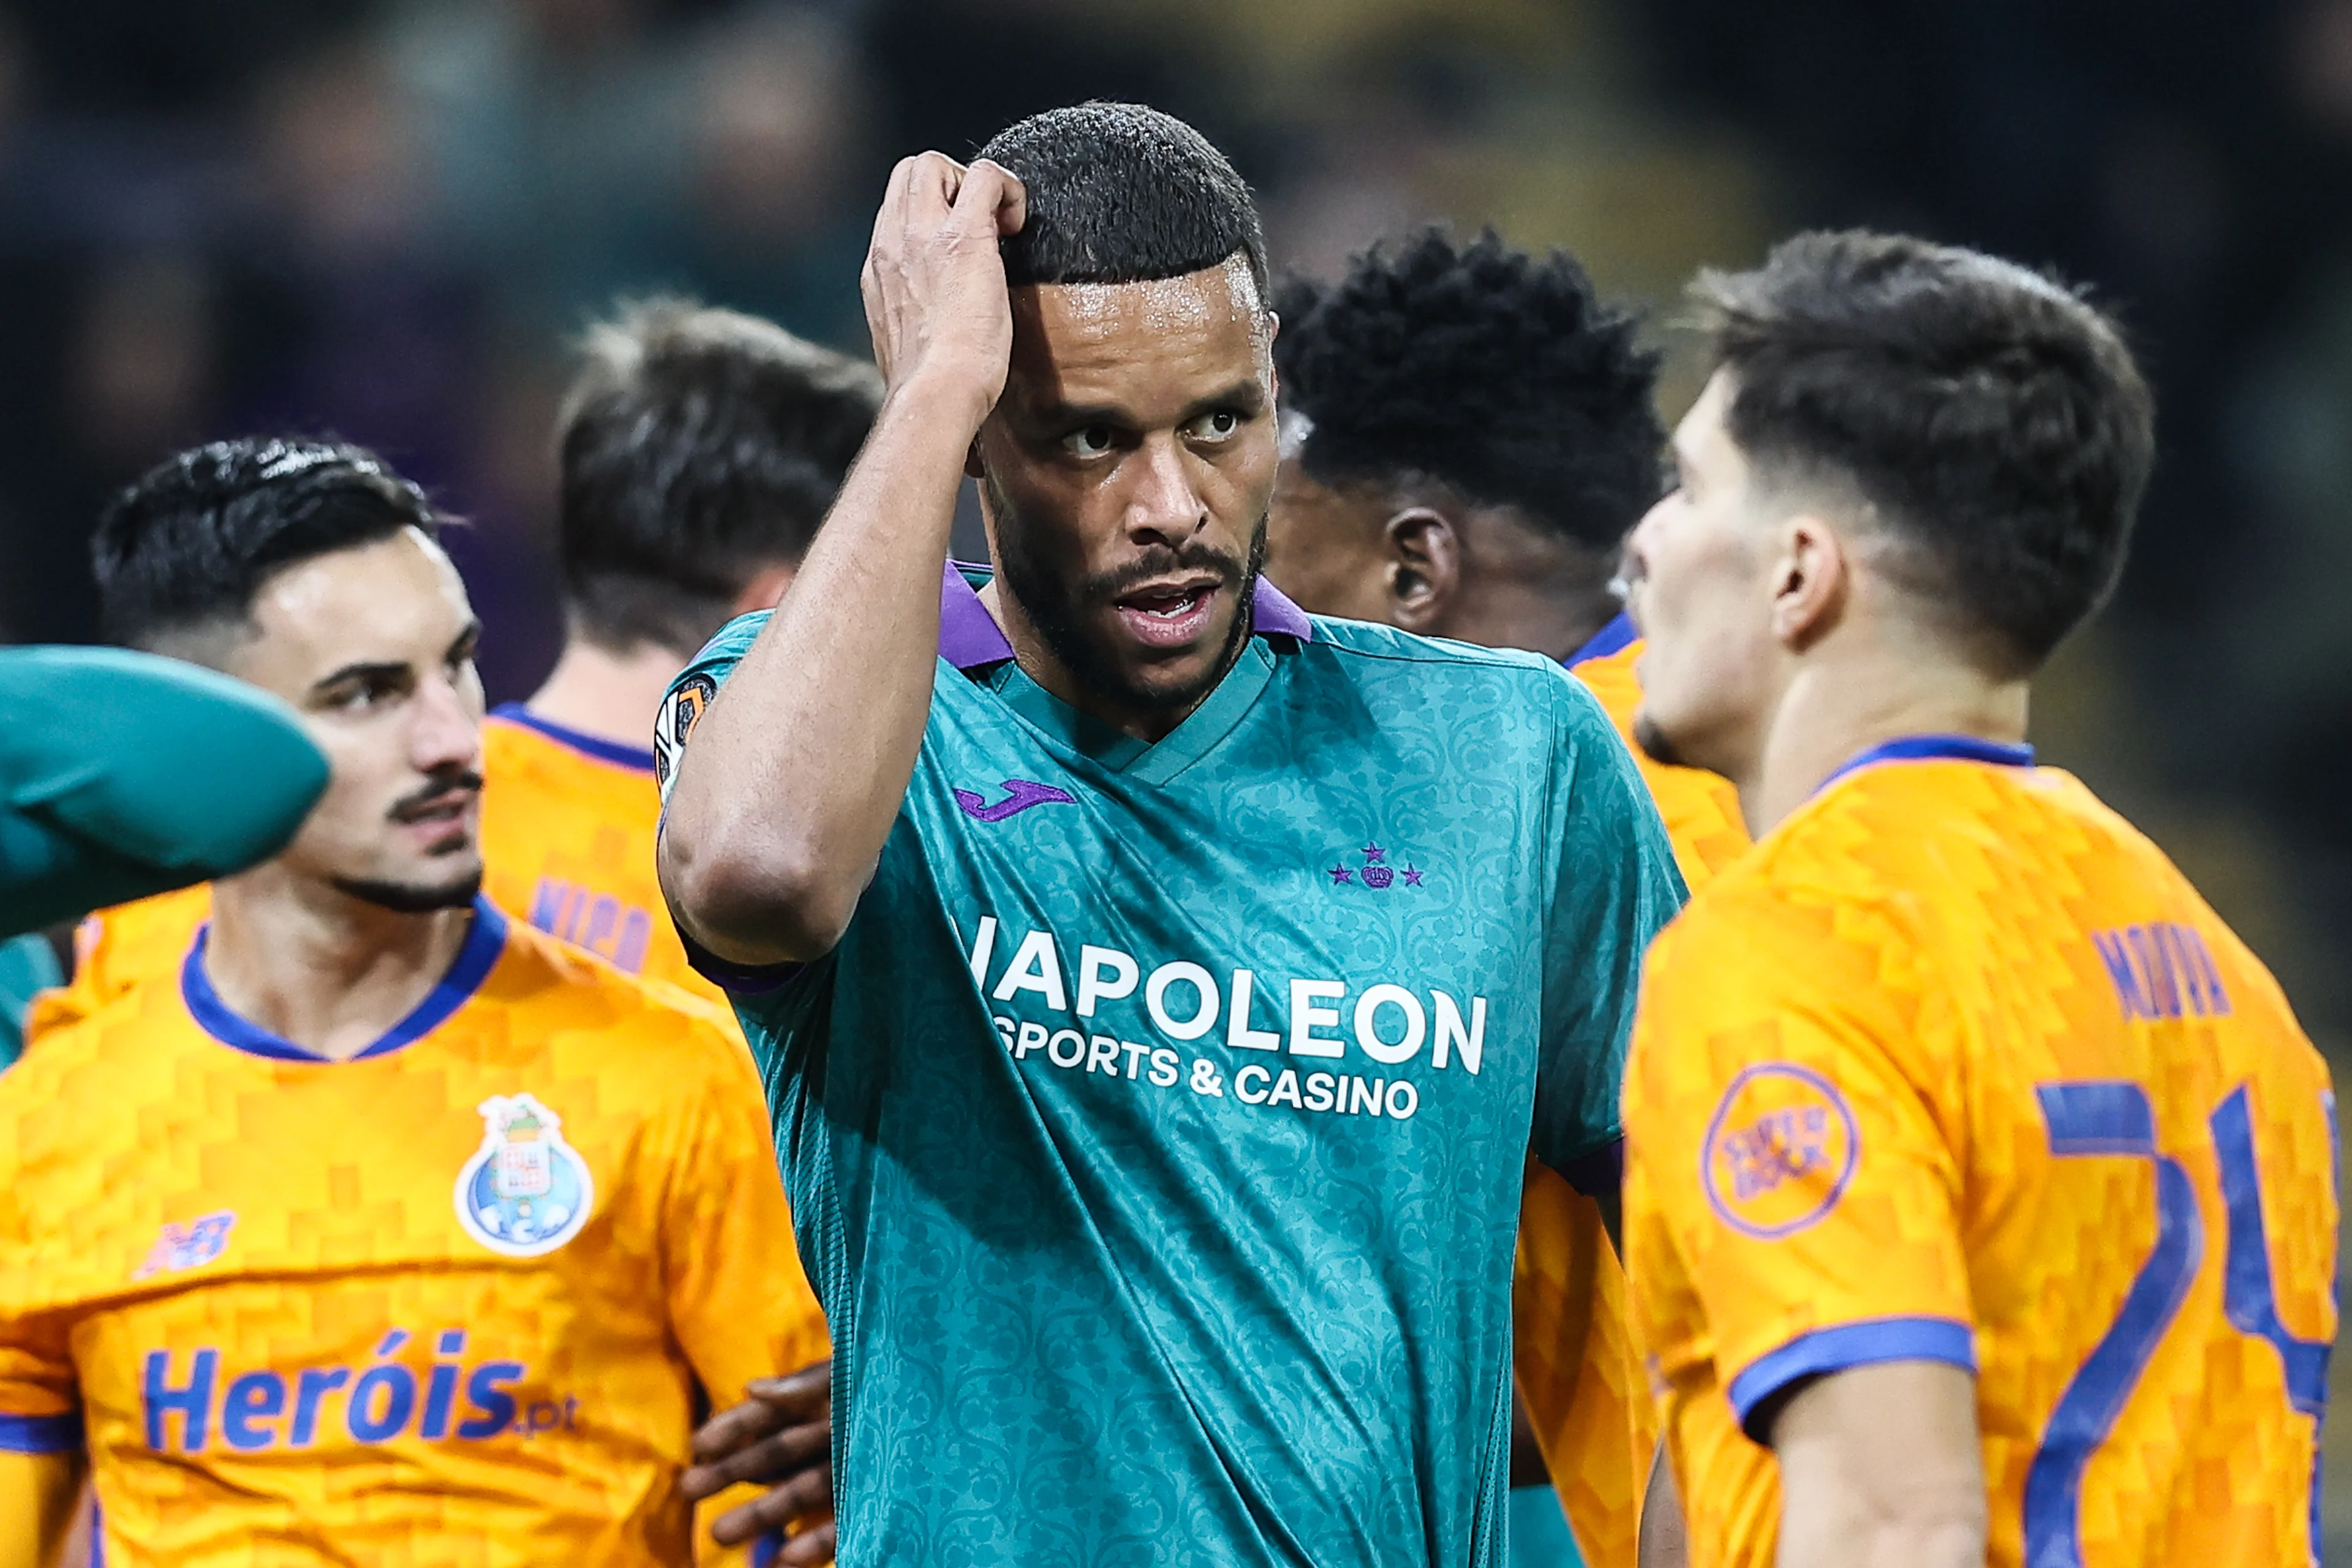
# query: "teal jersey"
[[1155, 1133]]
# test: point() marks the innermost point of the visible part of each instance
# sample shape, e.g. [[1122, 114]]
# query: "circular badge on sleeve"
[[1780, 1151], [680, 711]]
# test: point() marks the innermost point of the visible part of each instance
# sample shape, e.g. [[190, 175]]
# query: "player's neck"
[[1834, 709], [1039, 663], [611, 696], [1551, 619], [321, 969]]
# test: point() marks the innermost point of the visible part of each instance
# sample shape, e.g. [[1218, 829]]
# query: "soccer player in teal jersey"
[[1157, 989]]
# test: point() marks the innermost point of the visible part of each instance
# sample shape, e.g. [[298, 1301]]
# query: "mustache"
[[1163, 561], [435, 796]]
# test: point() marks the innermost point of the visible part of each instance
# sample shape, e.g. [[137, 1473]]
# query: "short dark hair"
[[1990, 415], [183, 550], [1500, 374], [1121, 194], [697, 445]]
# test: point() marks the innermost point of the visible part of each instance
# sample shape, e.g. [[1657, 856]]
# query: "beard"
[[413, 898], [1061, 610]]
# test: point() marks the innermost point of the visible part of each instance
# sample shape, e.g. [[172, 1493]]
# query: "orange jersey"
[[1956, 1066], [1579, 1370], [568, 827], [455, 1300]]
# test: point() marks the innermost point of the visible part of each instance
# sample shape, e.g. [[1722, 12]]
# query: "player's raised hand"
[[934, 283], [780, 1437]]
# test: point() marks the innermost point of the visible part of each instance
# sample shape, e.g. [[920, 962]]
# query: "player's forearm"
[[1881, 1467], [38, 1495], [797, 770]]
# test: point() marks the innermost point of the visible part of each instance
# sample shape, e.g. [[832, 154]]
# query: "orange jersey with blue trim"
[[1956, 1066], [568, 829], [456, 1299], [1578, 1367]]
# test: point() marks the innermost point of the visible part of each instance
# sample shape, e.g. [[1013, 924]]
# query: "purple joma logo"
[[1021, 795], [1376, 873]]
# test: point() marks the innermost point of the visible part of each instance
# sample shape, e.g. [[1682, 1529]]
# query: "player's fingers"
[[938, 178], [805, 1392], [769, 1459], [731, 1428], [812, 1547], [803, 1497], [1006, 197]]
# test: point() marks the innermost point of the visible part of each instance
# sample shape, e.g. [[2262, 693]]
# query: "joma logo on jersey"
[[372, 1405], [1020, 795]]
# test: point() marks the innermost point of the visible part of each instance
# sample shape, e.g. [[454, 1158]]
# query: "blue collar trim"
[[1927, 748], [483, 942], [603, 751], [1615, 637]]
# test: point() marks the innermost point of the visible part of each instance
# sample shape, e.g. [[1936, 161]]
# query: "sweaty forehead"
[[1078, 342]]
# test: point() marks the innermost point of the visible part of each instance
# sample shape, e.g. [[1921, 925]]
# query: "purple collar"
[[1927, 748], [635, 758], [969, 636]]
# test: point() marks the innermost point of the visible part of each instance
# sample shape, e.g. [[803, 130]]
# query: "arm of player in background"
[[123, 774], [798, 768], [1881, 1467], [40, 1494]]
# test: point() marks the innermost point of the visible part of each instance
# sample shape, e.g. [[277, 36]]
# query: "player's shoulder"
[[1381, 658], [82, 1074], [562, 993]]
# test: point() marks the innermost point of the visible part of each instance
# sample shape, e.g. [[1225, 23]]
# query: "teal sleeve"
[[123, 774], [1616, 888], [28, 964]]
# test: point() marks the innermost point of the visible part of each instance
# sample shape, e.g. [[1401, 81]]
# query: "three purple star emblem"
[[1376, 872]]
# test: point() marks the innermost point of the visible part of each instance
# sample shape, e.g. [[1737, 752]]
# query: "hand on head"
[[934, 283]]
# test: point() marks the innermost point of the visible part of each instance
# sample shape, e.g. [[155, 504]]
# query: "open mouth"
[[1169, 615]]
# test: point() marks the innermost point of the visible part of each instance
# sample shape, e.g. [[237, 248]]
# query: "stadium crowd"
[[1384, 981]]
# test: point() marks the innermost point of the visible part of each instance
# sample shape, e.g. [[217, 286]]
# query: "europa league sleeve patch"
[[680, 711]]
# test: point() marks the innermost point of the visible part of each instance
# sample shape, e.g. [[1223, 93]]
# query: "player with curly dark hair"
[[1468, 433]]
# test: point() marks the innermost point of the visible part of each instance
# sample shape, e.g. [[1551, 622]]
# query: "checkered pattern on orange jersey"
[[1956, 1066], [448, 1303]]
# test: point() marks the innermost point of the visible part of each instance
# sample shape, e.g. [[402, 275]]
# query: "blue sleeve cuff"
[[40, 1434], [1846, 1346]]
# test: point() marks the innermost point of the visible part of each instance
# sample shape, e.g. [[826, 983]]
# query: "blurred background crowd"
[[386, 218]]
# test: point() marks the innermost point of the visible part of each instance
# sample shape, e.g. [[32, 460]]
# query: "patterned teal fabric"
[[1155, 1133], [1540, 1534]]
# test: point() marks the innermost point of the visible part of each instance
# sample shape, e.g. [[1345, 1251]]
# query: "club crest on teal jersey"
[[1380, 871], [525, 1191]]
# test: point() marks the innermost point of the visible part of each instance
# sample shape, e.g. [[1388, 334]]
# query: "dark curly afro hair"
[[1500, 374]]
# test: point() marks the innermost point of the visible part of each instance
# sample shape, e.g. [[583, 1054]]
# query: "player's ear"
[[1811, 576], [1424, 566]]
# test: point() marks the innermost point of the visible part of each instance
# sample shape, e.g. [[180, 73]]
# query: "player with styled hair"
[[380, 1226], [1981, 1200], [1469, 434], [1156, 986], [699, 449]]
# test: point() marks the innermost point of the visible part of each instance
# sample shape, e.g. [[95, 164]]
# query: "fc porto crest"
[[525, 1191]]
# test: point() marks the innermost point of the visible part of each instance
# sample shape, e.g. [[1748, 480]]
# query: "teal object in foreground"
[[123, 774], [1540, 1534], [28, 964], [1155, 1134]]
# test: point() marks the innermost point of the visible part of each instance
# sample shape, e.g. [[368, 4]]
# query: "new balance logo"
[[1022, 796]]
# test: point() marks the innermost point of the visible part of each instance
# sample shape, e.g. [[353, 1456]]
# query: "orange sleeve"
[[1786, 1175]]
